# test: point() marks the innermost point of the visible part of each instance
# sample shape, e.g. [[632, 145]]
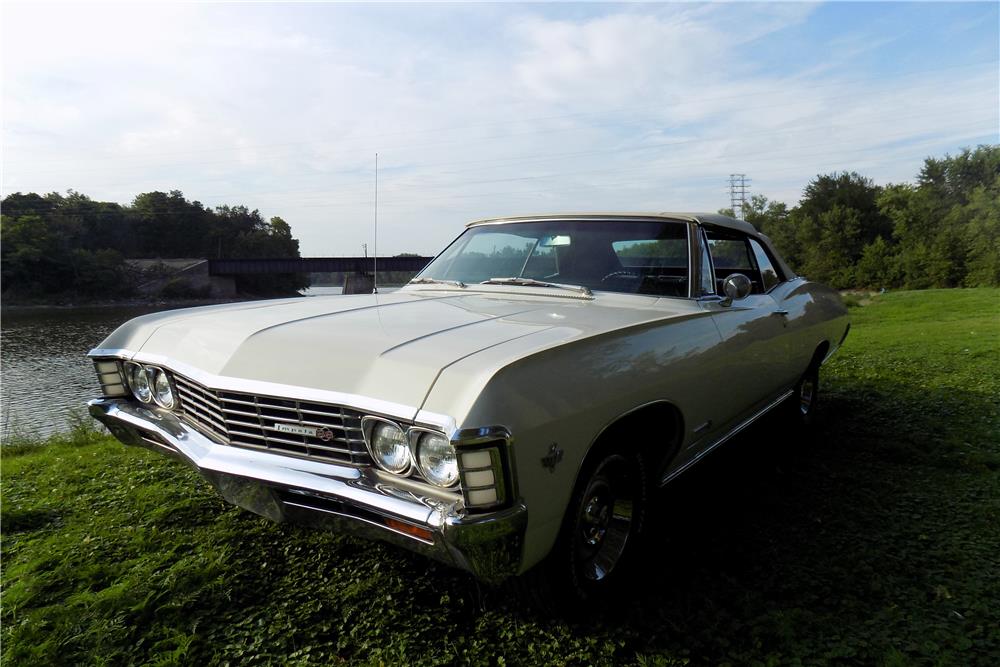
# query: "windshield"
[[641, 257]]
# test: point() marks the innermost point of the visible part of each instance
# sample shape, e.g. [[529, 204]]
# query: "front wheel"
[[598, 535], [597, 540]]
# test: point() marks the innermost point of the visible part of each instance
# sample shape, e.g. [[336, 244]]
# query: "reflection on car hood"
[[387, 346]]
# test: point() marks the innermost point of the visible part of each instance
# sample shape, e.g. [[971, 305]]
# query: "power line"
[[646, 165], [515, 161], [328, 201], [913, 152]]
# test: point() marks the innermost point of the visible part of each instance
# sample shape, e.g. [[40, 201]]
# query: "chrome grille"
[[250, 421], [201, 407]]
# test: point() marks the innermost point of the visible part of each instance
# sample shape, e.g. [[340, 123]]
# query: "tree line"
[[847, 232], [71, 246]]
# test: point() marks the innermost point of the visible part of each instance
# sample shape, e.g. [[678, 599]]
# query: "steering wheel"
[[621, 274]]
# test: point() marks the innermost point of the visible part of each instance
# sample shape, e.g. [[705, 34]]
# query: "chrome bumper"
[[343, 498]]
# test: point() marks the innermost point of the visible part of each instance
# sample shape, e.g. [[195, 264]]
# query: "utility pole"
[[375, 235], [739, 184]]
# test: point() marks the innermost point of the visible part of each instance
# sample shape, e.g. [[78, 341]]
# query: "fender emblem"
[[554, 456]]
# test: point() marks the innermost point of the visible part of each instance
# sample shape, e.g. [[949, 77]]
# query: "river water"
[[45, 375]]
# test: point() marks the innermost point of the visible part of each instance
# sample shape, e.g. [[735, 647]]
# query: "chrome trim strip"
[[477, 436], [118, 353], [739, 427], [692, 276], [584, 217]]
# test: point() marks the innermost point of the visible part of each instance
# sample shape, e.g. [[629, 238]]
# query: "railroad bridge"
[[357, 270], [216, 277], [361, 265]]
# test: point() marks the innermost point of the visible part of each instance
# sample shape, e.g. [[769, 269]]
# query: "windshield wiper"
[[531, 282], [436, 281]]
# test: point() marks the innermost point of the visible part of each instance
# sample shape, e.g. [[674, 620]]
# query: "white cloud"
[[475, 110]]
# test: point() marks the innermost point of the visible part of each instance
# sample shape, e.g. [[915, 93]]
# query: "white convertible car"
[[510, 408]]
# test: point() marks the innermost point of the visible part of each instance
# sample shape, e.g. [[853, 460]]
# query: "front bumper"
[[343, 498]]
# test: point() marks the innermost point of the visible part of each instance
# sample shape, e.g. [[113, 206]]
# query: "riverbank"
[[6, 305], [137, 302], [874, 541]]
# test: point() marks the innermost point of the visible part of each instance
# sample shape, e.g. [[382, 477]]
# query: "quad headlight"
[[138, 382], [437, 460], [474, 465], [150, 384], [389, 447], [163, 393]]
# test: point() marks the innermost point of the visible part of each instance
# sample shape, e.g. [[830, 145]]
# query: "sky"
[[481, 110]]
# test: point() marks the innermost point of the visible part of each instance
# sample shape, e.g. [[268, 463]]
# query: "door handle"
[[780, 311]]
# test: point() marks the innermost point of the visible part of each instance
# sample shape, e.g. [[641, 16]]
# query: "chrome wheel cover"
[[603, 527]]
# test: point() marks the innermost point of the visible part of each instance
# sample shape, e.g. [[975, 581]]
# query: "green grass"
[[876, 540]]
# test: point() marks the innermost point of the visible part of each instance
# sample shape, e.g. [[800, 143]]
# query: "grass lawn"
[[873, 540]]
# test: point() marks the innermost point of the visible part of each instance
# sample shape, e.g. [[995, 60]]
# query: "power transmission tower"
[[739, 184]]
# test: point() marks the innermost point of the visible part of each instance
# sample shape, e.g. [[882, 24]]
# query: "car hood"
[[389, 347]]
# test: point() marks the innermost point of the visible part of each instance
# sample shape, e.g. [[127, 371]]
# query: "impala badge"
[[324, 434], [296, 429]]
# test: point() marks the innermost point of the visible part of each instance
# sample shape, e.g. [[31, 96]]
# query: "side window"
[[731, 253], [768, 275]]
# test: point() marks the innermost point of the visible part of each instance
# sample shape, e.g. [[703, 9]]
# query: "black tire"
[[802, 404], [602, 525]]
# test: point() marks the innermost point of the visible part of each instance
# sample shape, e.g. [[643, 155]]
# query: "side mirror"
[[736, 286]]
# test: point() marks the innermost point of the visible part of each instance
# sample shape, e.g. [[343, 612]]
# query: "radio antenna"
[[375, 240]]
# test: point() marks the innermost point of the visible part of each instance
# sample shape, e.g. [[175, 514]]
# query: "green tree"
[[827, 243], [945, 225], [68, 245], [982, 236], [878, 266], [168, 225]]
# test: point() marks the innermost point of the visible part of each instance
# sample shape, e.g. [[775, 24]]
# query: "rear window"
[[731, 254]]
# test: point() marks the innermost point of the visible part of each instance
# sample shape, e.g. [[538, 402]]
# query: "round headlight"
[[138, 382], [437, 460], [389, 447], [162, 393]]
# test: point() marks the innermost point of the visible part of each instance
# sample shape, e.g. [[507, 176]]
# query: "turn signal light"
[[410, 529]]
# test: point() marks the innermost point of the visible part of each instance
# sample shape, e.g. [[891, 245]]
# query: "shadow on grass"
[[15, 521], [844, 544], [849, 541]]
